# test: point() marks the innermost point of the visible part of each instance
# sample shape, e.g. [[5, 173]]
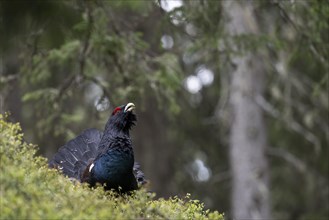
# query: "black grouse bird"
[[106, 158]]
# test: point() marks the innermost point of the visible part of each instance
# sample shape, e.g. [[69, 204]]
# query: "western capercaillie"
[[103, 157]]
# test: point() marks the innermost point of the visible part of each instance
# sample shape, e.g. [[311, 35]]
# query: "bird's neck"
[[113, 137], [114, 128]]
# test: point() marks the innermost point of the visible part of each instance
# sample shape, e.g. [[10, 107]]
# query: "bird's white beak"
[[129, 107]]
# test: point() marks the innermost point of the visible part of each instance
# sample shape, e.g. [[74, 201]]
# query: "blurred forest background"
[[231, 96]]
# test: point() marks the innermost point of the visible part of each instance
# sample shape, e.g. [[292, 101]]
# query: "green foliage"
[[30, 190], [97, 51]]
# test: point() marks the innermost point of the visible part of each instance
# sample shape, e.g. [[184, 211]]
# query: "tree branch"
[[82, 57], [295, 126], [312, 48], [293, 160], [86, 43], [288, 157]]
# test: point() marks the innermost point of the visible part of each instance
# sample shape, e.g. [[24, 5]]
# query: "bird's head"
[[123, 117]]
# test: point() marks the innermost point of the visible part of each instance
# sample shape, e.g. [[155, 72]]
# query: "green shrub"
[[30, 190]]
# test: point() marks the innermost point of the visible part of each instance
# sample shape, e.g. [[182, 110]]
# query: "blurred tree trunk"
[[153, 149], [250, 196], [10, 99]]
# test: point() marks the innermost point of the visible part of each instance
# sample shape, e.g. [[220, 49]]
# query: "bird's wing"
[[74, 156]]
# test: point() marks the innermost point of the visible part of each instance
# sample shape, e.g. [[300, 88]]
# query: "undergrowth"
[[30, 190]]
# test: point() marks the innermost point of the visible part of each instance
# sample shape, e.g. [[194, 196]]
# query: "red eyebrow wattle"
[[117, 109]]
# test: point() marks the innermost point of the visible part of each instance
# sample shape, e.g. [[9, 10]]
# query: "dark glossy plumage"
[[106, 158]]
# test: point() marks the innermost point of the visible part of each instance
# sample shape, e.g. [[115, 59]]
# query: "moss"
[[30, 190]]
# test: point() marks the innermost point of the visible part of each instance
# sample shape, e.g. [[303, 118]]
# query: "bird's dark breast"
[[115, 169]]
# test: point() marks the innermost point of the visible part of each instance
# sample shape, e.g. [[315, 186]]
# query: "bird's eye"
[[116, 110]]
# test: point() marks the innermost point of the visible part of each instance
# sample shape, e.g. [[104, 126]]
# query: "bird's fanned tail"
[[73, 158]]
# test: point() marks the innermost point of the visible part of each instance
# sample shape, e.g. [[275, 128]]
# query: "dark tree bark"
[[153, 149]]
